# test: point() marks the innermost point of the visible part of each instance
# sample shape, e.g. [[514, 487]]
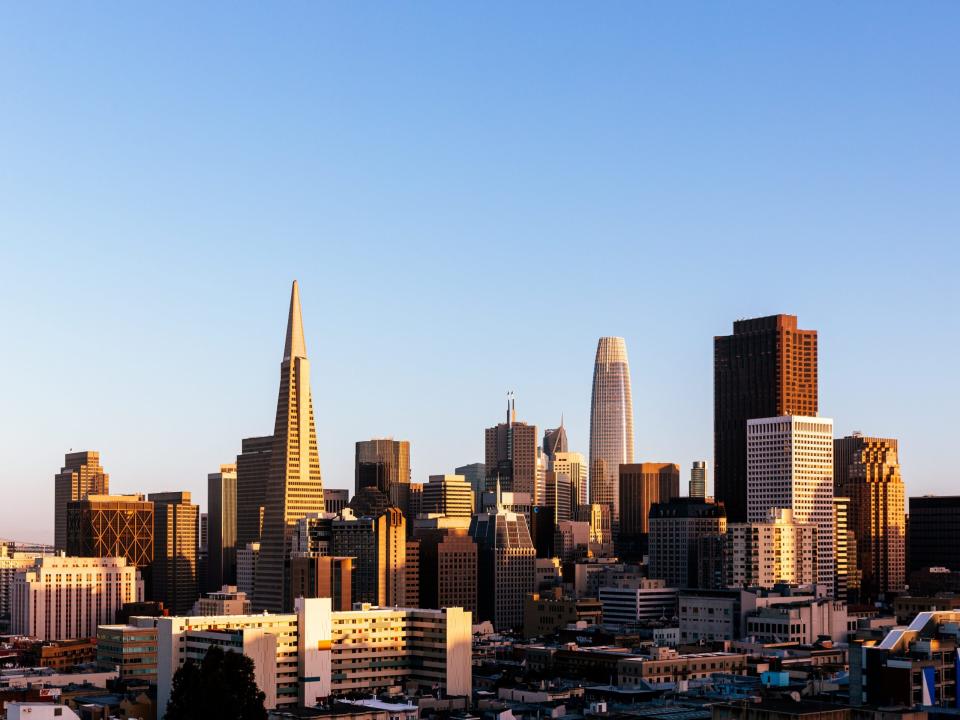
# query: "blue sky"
[[470, 194]]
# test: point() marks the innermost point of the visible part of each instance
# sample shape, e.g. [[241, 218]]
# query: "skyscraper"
[[642, 485], [675, 529], [767, 367], [511, 455], [555, 441], [174, 569], [222, 527], [573, 467], [384, 463], [934, 528], [294, 486], [867, 471], [506, 560], [253, 472], [790, 466], [698, 479], [80, 476], [611, 424]]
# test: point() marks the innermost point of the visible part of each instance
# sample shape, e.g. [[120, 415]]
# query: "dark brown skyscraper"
[[174, 570], [253, 468], [80, 476], [642, 485], [766, 368], [294, 487]]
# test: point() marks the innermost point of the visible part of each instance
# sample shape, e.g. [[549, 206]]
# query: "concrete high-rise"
[[698, 479], [511, 456], [448, 568], [174, 569], [378, 544], [449, 495], [611, 424], [222, 527], [767, 367], [846, 584], [867, 471], [676, 526], [80, 476], [253, 472], [790, 466], [640, 486], [384, 463], [294, 486], [573, 467], [506, 560], [774, 550], [111, 526]]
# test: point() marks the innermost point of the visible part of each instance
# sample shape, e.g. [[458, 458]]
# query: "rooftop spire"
[[295, 345]]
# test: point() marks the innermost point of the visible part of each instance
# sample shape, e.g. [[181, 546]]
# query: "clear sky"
[[470, 194]]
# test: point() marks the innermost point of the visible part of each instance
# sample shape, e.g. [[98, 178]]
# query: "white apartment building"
[[790, 466], [60, 598], [777, 550], [632, 602], [315, 653]]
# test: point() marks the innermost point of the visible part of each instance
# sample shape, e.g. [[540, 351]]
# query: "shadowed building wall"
[[80, 476]]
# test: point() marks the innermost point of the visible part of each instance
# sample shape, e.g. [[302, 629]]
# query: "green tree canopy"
[[221, 686]]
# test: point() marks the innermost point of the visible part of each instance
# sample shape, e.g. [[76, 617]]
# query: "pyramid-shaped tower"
[[294, 487]]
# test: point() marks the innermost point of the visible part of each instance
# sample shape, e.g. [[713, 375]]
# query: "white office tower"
[[790, 466]]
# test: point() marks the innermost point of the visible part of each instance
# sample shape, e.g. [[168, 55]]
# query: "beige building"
[[790, 466], [779, 550], [80, 476], [449, 495], [10, 563], [225, 601], [60, 598], [867, 470], [247, 557], [294, 485], [572, 466]]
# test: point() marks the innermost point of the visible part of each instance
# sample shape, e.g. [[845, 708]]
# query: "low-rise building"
[[803, 621], [128, 649], [225, 601], [666, 665], [635, 602], [545, 613]]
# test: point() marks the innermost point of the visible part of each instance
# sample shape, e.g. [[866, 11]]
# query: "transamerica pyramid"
[[294, 487]]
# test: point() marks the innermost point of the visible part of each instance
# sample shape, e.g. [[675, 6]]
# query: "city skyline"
[[743, 161]]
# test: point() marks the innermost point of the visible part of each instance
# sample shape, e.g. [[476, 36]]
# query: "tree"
[[221, 687]]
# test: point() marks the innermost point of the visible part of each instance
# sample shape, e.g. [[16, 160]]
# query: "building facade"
[[777, 550], [934, 524], [174, 569], [675, 528], [642, 485], [111, 526], [294, 485], [629, 603], [698, 479], [449, 495], [611, 424], [384, 463], [867, 470], [790, 466], [222, 527], [60, 598], [512, 456], [505, 566], [766, 367], [253, 471], [80, 476], [448, 568]]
